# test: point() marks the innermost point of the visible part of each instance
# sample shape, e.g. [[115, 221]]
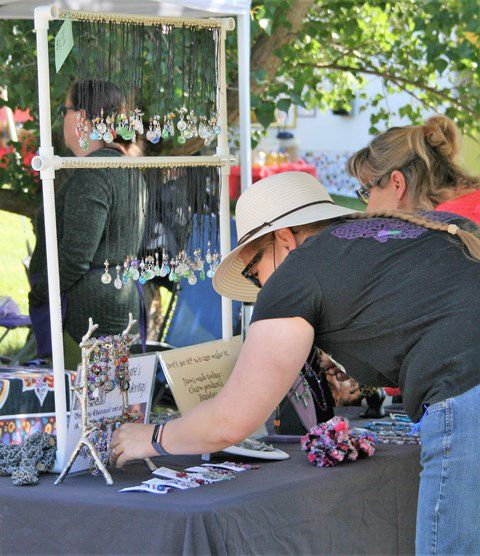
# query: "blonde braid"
[[470, 240]]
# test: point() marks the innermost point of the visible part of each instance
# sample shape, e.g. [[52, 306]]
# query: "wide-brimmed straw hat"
[[279, 201]]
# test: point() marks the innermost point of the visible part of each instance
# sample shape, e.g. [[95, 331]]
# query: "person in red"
[[416, 168]]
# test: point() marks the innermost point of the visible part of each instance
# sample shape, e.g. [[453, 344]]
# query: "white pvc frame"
[[47, 162]]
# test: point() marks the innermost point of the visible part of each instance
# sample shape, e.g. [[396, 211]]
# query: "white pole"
[[224, 153], [243, 41], [43, 15]]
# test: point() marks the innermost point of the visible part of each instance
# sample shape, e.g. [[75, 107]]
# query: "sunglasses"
[[62, 110], [246, 271], [363, 193]]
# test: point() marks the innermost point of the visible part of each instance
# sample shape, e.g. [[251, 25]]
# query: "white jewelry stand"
[[47, 163], [80, 390]]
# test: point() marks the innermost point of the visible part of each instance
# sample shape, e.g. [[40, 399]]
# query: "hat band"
[[248, 235]]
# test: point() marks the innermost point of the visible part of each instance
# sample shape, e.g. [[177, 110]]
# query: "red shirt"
[[467, 205]]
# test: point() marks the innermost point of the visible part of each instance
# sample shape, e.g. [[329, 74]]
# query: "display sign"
[[197, 373]]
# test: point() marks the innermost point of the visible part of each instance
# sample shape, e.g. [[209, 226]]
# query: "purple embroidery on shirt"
[[383, 229], [380, 229]]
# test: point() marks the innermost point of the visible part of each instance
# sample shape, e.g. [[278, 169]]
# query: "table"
[[367, 507], [260, 172]]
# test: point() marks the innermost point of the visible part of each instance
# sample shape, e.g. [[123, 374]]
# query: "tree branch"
[[18, 204], [395, 79]]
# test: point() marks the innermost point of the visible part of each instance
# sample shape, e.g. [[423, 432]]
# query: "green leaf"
[[284, 104]]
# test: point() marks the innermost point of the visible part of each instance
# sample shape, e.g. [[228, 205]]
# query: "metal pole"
[[43, 15], [243, 41], [224, 153]]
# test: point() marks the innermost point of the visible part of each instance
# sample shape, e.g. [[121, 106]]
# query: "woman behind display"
[[416, 168], [93, 210], [395, 300]]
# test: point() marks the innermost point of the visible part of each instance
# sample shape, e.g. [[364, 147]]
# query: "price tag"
[[63, 43]]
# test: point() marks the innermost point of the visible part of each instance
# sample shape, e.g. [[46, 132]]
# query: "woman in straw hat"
[[392, 299]]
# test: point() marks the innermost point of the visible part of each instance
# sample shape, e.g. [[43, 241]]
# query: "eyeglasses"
[[363, 194], [62, 110], [246, 271]]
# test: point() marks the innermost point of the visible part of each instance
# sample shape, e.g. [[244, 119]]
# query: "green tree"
[[309, 53]]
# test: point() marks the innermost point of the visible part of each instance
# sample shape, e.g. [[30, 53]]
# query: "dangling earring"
[[118, 281], [106, 278], [81, 132]]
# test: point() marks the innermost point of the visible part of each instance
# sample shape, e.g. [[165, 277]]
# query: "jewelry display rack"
[[47, 163], [88, 345]]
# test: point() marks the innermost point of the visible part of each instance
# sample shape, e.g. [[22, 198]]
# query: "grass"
[[349, 202], [14, 233]]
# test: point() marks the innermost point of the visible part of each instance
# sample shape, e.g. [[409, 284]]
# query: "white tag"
[[208, 475], [172, 474], [146, 488], [207, 478], [174, 483], [226, 465]]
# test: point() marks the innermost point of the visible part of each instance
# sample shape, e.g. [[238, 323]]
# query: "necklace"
[[305, 373]]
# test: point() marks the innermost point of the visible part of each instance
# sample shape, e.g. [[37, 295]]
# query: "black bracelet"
[[157, 440]]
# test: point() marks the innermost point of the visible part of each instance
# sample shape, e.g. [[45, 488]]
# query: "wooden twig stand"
[[88, 345]]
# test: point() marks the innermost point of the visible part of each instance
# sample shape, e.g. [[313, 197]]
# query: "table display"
[[284, 506]]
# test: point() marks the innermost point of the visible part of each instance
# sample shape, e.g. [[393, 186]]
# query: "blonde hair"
[[427, 157], [470, 239]]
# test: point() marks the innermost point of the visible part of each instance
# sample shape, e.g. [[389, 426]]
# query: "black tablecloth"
[[366, 507]]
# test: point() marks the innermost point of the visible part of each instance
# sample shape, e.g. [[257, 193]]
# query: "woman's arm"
[[273, 354]]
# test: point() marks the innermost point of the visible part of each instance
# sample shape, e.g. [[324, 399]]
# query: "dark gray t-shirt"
[[393, 303]]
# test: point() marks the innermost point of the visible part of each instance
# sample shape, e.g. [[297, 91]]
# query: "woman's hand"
[[327, 365], [131, 441]]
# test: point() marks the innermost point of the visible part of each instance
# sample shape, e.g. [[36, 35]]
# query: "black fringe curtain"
[[158, 69], [166, 215]]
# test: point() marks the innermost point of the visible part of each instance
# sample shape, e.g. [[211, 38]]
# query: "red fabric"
[[467, 206], [260, 172], [394, 392]]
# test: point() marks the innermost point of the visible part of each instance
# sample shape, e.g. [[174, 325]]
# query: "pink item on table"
[[260, 172]]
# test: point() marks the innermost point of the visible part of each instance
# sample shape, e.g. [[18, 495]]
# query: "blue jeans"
[[448, 515]]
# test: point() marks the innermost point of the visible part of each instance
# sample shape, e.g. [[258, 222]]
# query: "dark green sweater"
[[84, 204]]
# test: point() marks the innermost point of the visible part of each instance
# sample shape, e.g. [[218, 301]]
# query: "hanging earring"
[[106, 278], [101, 128], [165, 267], [166, 128], [136, 122], [134, 273], [156, 269], [118, 281], [142, 278], [109, 135], [126, 271], [208, 256], [81, 132], [94, 135]]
